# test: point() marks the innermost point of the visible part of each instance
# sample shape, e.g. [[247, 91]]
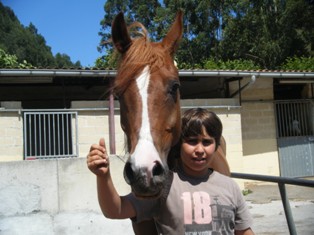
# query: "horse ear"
[[120, 34], [173, 37]]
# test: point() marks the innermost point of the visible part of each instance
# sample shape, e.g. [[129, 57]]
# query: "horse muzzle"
[[146, 182]]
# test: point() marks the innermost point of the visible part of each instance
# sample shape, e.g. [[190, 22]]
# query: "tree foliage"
[[135, 10], [265, 33], [27, 44], [11, 61], [269, 31], [299, 63], [237, 64]]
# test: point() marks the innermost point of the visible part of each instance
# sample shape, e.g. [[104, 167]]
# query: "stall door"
[[295, 137]]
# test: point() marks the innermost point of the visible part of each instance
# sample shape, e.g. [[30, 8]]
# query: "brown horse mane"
[[142, 52]]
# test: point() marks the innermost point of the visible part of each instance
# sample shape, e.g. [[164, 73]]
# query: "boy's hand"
[[97, 159]]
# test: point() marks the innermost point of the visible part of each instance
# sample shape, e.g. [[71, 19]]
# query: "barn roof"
[[90, 83]]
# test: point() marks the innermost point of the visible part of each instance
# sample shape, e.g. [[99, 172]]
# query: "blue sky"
[[69, 26]]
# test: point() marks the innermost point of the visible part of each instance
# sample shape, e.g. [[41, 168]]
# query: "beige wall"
[[249, 130], [94, 124], [259, 128], [11, 132], [11, 136]]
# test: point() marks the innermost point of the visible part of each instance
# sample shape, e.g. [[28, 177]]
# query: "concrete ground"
[[263, 201], [267, 209]]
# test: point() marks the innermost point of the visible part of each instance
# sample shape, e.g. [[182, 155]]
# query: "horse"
[[219, 162], [147, 87]]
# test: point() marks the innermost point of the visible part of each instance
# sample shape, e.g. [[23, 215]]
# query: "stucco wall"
[[94, 124], [56, 197], [249, 130], [260, 153], [11, 132]]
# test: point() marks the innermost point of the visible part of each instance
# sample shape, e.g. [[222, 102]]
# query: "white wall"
[[56, 197]]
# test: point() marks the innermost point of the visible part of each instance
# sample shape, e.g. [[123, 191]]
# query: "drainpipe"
[[112, 137]]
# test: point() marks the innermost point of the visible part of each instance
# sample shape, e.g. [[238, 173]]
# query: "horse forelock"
[[142, 52]]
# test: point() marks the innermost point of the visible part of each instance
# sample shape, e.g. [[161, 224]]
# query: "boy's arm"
[[111, 204]]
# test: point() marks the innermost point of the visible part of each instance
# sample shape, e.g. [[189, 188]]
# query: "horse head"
[[147, 85]]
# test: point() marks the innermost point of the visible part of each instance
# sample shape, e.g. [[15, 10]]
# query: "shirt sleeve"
[[243, 217]]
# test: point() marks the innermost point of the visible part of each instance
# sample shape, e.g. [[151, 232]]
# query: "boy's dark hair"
[[193, 121]]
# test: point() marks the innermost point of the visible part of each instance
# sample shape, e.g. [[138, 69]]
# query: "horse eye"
[[173, 88]]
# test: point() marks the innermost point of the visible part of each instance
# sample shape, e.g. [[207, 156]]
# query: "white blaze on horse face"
[[145, 154]]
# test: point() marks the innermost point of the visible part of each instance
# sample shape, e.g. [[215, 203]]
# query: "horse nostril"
[[158, 170], [128, 173]]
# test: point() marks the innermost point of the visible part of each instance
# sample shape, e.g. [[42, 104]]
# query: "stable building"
[[58, 113]]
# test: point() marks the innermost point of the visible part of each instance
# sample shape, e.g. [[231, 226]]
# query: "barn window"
[[294, 118], [50, 135]]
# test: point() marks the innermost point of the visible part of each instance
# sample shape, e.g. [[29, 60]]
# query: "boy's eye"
[[207, 142], [195, 141], [192, 141]]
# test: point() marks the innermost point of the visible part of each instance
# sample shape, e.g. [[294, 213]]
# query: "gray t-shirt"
[[210, 205]]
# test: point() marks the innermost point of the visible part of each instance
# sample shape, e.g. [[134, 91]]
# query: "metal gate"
[[295, 137], [50, 135]]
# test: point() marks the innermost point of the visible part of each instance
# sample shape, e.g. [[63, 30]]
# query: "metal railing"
[[50, 135], [281, 181]]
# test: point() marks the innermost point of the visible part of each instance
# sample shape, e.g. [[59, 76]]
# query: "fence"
[[281, 181], [50, 134]]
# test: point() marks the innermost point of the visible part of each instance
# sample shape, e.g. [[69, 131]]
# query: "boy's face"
[[196, 154]]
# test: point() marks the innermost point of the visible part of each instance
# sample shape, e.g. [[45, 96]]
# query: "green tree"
[[64, 61], [26, 43], [134, 10], [268, 31], [299, 63], [35, 48], [265, 32], [201, 23], [10, 61]]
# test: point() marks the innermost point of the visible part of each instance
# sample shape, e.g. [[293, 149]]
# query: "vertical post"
[[286, 206], [240, 97], [112, 138]]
